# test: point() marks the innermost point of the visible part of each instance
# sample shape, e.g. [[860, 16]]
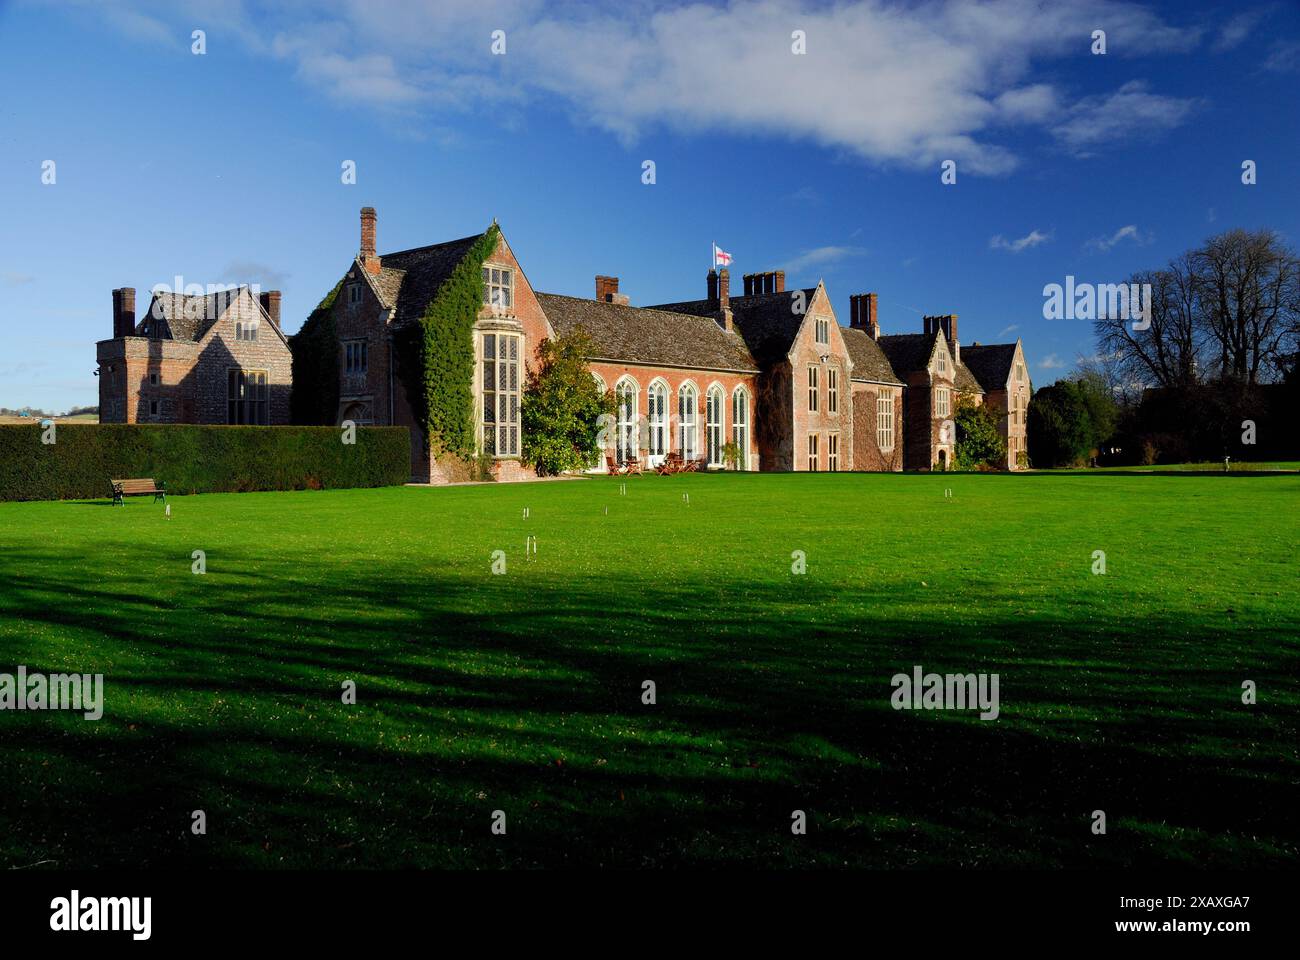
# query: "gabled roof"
[[188, 317], [409, 279], [912, 351], [767, 322], [991, 363], [869, 361], [648, 335]]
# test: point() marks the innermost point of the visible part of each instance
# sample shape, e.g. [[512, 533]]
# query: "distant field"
[[79, 418], [522, 692]]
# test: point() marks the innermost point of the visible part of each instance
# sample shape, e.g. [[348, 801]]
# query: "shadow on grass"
[[523, 694]]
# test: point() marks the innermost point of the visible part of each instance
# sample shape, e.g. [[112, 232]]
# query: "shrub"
[[562, 408], [980, 445], [196, 459]]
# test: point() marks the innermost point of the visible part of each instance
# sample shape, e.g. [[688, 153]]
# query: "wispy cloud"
[[1233, 33], [12, 279], [1027, 242], [1008, 329], [941, 82], [1051, 362], [1127, 232], [822, 256], [1132, 110], [1284, 57]]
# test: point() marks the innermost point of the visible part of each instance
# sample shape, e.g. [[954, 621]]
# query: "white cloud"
[[1027, 242], [1008, 329], [1131, 110], [1127, 232], [250, 271], [1051, 362], [1236, 30], [888, 83], [821, 256]]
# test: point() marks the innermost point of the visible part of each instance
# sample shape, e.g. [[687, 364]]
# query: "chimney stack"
[[873, 324], [369, 259], [862, 314], [779, 281], [724, 289], [749, 284], [271, 304], [124, 312], [713, 286]]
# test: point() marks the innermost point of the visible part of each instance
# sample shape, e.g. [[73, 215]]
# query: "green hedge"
[[196, 459]]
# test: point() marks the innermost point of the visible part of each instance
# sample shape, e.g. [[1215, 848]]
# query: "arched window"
[[713, 419], [740, 424], [657, 414], [625, 395], [688, 421]]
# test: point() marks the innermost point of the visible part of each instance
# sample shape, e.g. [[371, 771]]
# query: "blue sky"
[[225, 167]]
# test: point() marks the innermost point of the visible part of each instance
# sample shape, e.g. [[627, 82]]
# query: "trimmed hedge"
[[196, 459]]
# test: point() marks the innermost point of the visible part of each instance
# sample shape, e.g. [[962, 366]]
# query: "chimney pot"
[[369, 258], [124, 312]]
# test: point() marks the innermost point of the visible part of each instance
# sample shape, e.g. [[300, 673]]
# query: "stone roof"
[[908, 351], [648, 335], [990, 363], [869, 361], [409, 279], [188, 317], [767, 322], [912, 351]]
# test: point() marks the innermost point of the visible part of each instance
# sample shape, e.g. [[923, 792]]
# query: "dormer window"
[[497, 287], [245, 330]]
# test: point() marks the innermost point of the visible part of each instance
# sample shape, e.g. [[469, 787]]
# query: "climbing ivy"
[[436, 355], [314, 398]]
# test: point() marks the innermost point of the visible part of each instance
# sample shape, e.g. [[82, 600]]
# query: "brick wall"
[[219, 351], [867, 454]]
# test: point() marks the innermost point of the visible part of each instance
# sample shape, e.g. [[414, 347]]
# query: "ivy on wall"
[[315, 349], [436, 355]]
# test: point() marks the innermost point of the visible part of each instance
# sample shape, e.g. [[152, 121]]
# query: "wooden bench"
[[142, 487]]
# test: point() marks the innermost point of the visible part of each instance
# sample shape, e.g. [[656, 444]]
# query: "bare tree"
[[1248, 287], [1165, 352]]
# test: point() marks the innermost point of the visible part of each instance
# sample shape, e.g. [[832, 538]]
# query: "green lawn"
[[522, 692]]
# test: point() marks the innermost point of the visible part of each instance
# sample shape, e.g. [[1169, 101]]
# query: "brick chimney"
[[713, 286], [724, 289], [271, 304], [369, 259], [749, 284], [124, 312], [778, 281], [862, 314]]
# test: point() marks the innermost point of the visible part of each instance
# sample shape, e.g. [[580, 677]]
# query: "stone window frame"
[[813, 453], [246, 330], [658, 420], [713, 443], [942, 402], [505, 403], [740, 426], [498, 278], [832, 390], [351, 364], [822, 330], [354, 293], [688, 424], [833, 452], [814, 388], [263, 404], [627, 395], [885, 420]]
